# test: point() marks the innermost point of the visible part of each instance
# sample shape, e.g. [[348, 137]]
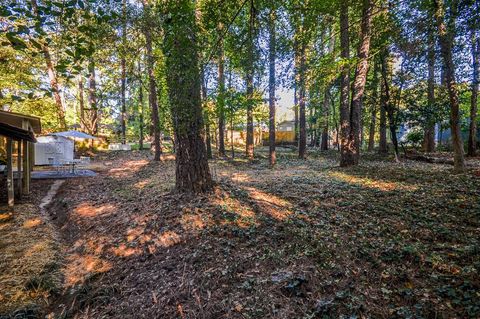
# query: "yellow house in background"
[[284, 134]]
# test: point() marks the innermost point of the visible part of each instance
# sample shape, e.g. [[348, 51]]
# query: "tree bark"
[[271, 84], [51, 75], [383, 147], [352, 154], [472, 133], [344, 79], [296, 92], [250, 74], [326, 101], [373, 116], [152, 84], [140, 102], [326, 104], [429, 133], [446, 43], [123, 115], [302, 136], [192, 173], [221, 94], [389, 106], [208, 139], [92, 98], [81, 101]]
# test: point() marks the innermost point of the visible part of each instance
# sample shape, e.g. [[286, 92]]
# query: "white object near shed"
[[58, 148]]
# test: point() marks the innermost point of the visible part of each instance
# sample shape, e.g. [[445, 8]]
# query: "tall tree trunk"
[[192, 173], [221, 94], [344, 79], [81, 101], [472, 134], [326, 101], [389, 105], [296, 92], [51, 75], [302, 121], [429, 133], [152, 83], [446, 43], [271, 83], [373, 116], [92, 98], [123, 115], [352, 154], [326, 105], [208, 139], [382, 146], [250, 74], [140, 102]]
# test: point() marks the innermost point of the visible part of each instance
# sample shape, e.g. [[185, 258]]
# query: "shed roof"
[[16, 119]]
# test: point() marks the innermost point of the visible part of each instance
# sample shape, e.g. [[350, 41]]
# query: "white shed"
[[53, 148]]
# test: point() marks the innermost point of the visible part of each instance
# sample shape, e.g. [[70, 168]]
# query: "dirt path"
[[50, 195], [306, 239]]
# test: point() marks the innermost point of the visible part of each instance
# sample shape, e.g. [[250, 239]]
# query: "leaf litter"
[[306, 239]]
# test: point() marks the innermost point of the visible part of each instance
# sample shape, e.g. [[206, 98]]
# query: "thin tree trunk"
[[250, 88], [389, 105], [152, 84], [221, 95], [271, 84], [373, 116], [92, 98], [383, 147], [446, 43], [472, 134], [192, 173], [344, 79], [140, 102], [302, 141], [352, 154], [326, 104], [81, 100], [429, 133], [326, 101], [295, 108], [51, 75], [123, 115], [208, 138]]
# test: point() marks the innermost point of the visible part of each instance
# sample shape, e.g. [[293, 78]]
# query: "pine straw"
[[29, 272]]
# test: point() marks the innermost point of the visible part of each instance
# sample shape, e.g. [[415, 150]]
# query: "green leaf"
[[17, 43], [36, 44]]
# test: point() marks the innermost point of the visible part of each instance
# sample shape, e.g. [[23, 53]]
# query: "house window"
[[288, 128]]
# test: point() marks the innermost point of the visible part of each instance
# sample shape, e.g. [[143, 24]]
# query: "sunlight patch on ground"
[[193, 221], [164, 240], [128, 168], [246, 215], [124, 251], [371, 183], [32, 223], [236, 177], [270, 204], [80, 267], [87, 210], [142, 184]]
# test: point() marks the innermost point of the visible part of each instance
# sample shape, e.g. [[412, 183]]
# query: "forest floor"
[[306, 239]]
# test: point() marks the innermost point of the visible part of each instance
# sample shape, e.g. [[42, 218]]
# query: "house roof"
[[16, 119], [16, 133], [287, 122]]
